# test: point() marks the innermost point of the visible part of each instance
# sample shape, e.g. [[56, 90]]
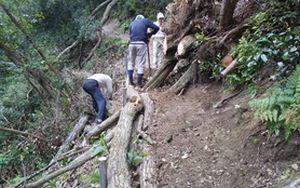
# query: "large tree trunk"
[[226, 14], [118, 170], [147, 168]]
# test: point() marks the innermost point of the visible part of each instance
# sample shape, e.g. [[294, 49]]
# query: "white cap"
[[139, 17], [160, 15]]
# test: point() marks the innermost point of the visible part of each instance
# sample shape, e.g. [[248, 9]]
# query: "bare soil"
[[201, 146]]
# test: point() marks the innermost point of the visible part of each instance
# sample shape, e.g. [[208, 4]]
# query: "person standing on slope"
[[94, 86], [137, 50], [158, 40]]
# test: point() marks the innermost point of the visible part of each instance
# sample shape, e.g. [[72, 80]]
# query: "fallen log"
[[184, 79], [71, 137], [106, 124], [79, 161], [147, 169], [118, 170]]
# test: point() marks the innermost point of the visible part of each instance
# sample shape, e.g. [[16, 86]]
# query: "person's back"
[[138, 30], [104, 81], [137, 49]]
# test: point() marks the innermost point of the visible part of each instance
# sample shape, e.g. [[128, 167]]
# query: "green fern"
[[281, 109]]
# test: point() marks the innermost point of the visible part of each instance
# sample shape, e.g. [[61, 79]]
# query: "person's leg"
[[101, 104], [141, 59], [89, 86], [95, 105], [131, 62]]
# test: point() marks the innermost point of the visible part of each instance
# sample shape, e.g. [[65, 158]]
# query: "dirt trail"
[[200, 146]]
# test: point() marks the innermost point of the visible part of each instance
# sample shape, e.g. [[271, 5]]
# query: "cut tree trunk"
[[118, 170], [147, 168], [189, 75], [185, 45]]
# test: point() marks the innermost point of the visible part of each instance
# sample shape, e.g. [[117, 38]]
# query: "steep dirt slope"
[[200, 146]]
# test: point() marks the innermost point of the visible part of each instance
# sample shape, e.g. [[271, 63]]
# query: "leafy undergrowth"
[[281, 109]]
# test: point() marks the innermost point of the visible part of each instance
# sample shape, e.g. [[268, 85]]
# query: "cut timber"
[[71, 137], [185, 45], [118, 170], [106, 124], [229, 68], [184, 79], [148, 111], [79, 161], [147, 168]]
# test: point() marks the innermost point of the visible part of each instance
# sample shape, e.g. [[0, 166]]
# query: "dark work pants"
[[91, 87]]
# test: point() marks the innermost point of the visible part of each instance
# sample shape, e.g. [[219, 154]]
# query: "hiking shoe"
[[98, 121]]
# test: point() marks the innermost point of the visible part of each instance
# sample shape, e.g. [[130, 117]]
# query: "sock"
[[139, 79]]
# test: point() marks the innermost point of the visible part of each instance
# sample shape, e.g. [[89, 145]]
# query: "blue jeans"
[[92, 87]]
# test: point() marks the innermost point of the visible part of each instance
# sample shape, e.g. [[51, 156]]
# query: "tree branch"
[[22, 133]]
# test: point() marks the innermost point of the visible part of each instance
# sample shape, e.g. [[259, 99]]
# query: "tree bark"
[[184, 79], [71, 137], [118, 170], [226, 14], [147, 168], [106, 124]]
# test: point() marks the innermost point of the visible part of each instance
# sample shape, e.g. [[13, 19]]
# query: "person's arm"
[[154, 28]]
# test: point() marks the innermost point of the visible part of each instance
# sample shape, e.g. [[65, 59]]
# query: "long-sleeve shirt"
[[160, 33], [138, 30], [104, 81]]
